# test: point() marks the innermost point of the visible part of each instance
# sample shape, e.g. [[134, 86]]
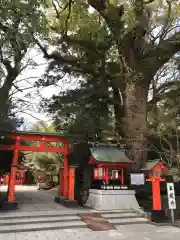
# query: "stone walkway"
[[33, 202], [133, 232]]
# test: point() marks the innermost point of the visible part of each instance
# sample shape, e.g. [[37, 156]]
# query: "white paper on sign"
[[171, 196], [137, 179]]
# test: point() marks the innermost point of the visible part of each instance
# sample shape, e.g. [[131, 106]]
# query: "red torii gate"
[[42, 138]]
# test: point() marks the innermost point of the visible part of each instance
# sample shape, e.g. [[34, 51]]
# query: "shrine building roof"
[[81, 154], [150, 164], [110, 155]]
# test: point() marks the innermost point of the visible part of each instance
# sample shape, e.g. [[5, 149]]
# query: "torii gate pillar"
[[11, 204], [12, 176], [65, 174]]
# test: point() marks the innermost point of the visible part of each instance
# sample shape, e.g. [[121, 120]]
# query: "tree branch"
[[162, 53], [3, 28], [111, 13], [87, 45], [56, 10], [69, 62], [161, 93], [165, 28], [56, 56], [148, 1]]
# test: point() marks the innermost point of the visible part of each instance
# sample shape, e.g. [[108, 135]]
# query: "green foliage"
[[115, 56], [123, 51], [84, 109], [44, 161], [20, 21], [47, 163]]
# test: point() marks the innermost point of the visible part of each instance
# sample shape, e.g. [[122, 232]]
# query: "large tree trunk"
[[4, 108], [5, 122], [135, 120]]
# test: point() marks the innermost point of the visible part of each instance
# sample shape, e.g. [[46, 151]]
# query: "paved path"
[[132, 232], [31, 200], [41, 202]]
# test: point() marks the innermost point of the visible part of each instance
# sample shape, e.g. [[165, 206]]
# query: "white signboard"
[[137, 179], [171, 196]]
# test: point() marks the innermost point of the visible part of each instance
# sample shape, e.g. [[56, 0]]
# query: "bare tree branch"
[[167, 20], [148, 1], [162, 53]]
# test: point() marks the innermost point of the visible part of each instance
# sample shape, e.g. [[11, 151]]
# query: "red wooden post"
[[21, 176], [61, 182], [156, 193], [12, 176], [66, 150], [107, 177], [122, 176], [71, 183]]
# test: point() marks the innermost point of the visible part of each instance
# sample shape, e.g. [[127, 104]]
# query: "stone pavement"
[[34, 204], [132, 232], [32, 200]]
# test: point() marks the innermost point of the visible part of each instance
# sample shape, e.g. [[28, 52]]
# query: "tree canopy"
[[19, 22], [123, 54], [121, 44]]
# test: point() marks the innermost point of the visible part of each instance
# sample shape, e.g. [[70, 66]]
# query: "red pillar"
[[71, 183], [66, 150], [122, 176], [61, 182], [107, 177], [156, 193], [12, 176]]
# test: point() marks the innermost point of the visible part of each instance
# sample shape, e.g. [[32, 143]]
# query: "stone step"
[[53, 220], [124, 221], [36, 215], [125, 218], [121, 215], [26, 227], [48, 214], [39, 220]]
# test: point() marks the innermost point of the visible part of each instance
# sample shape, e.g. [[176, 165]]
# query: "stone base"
[[60, 199], [105, 200], [66, 202], [70, 203], [159, 216], [8, 206]]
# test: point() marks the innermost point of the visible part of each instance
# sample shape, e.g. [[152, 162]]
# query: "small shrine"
[[106, 163], [102, 176], [156, 167], [109, 163]]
